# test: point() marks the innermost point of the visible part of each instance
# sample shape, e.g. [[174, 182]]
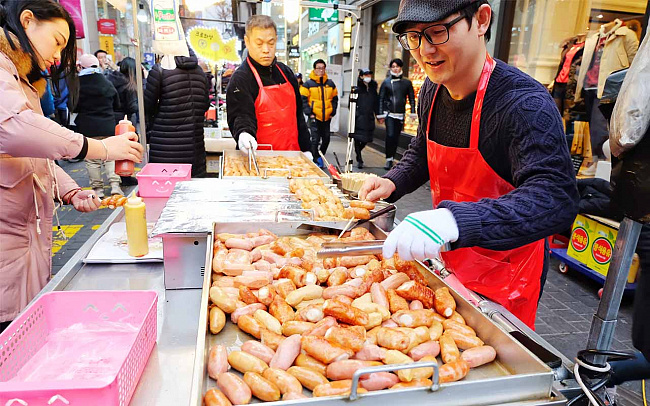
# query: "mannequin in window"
[[611, 49]]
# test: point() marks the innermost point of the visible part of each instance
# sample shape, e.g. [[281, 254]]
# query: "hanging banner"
[[106, 43], [74, 8], [168, 37], [208, 44]]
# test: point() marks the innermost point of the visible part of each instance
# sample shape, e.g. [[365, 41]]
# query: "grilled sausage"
[[448, 349], [234, 388], [308, 377], [453, 371], [217, 361], [378, 380], [249, 325], [258, 350], [344, 369], [478, 356], [336, 388], [464, 341], [245, 362], [283, 380], [214, 397], [217, 320], [246, 310], [431, 348], [322, 350], [307, 361], [281, 310], [262, 388], [396, 303], [413, 290], [286, 353], [292, 327], [414, 318], [444, 302]]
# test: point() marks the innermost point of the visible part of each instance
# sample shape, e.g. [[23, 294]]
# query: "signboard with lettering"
[[324, 15]]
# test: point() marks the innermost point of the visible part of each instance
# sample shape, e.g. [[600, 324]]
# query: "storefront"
[[541, 28]]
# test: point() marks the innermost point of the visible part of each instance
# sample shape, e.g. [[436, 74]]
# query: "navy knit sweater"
[[522, 139]]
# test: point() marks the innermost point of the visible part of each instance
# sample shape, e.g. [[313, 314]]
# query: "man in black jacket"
[[392, 105], [263, 97]]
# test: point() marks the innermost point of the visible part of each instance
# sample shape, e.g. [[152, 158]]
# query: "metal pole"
[[604, 321], [138, 79]]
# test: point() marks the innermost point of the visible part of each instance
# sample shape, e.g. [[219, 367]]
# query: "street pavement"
[[565, 310]]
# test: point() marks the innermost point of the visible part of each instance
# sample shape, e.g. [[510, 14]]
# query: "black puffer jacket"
[[98, 100], [367, 108], [175, 103], [128, 96], [393, 94]]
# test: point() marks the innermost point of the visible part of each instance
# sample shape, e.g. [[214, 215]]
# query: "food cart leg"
[[604, 321]]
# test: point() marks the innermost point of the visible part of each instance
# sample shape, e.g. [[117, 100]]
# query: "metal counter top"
[[167, 378]]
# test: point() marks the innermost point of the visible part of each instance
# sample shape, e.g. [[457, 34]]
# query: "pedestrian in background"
[[367, 109], [124, 81], [98, 101], [319, 100], [175, 102], [392, 105]]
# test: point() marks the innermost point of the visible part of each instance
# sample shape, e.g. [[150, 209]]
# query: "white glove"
[[246, 141], [421, 235], [309, 155]]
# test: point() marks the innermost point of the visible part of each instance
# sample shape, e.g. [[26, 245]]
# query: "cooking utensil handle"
[[378, 213], [391, 368]]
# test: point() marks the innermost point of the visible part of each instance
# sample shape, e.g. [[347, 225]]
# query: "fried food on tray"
[[279, 165], [311, 331]]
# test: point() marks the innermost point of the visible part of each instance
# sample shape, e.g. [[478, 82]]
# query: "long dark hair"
[[44, 10], [127, 68]]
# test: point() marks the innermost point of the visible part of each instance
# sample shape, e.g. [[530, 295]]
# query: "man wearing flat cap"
[[491, 142]]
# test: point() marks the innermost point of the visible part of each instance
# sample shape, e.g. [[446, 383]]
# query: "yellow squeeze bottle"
[[136, 227]]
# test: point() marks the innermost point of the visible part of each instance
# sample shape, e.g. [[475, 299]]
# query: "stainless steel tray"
[[288, 154], [516, 377]]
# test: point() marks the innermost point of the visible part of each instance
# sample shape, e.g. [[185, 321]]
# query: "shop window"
[[387, 48], [542, 27]]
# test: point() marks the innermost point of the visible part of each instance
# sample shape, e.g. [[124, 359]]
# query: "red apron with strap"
[[275, 110], [511, 278]]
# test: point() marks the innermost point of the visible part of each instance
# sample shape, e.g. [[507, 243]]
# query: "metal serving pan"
[[516, 377], [289, 154]]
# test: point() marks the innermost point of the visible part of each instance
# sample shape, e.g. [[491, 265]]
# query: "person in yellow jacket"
[[320, 100]]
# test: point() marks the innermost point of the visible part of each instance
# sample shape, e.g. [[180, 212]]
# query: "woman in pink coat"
[[36, 35]]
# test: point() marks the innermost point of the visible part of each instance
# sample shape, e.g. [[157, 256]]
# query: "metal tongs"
[[350, 248], [252, 159]]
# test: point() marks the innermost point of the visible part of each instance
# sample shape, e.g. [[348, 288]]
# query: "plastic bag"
[[631, 113], [168, 34]]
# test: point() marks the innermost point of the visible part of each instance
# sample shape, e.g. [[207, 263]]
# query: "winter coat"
[[367, 108], [242, 94], [619, 52], [98, 101], [319, 97], [393, 93], [128, 97], [175, 102], [28, 179]]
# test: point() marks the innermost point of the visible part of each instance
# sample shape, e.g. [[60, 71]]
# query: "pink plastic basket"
[[158, 180], [55, 311]]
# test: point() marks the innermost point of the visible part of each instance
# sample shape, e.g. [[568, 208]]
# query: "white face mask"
[[367, 79]]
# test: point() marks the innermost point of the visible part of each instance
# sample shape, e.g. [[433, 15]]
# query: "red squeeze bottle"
[[124, 167]]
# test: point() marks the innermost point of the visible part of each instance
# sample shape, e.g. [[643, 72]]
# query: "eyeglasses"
[[436, 34]]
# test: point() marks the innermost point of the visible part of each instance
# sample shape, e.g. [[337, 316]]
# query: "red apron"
[[275, 109], [511, 278]]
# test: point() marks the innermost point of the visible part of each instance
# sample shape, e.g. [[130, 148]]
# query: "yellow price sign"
[[208, 44]]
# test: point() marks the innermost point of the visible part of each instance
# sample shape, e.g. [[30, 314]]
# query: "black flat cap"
[[426, 11]]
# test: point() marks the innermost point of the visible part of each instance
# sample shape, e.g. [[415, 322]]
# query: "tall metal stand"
[[604, 321], [138, 81]]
